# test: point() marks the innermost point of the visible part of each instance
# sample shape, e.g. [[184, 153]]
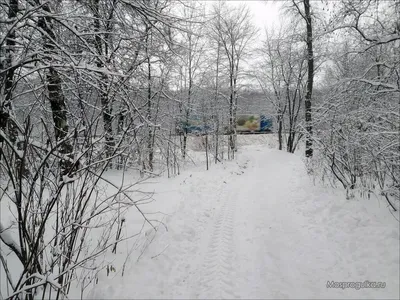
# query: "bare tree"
[[56, 72], [7, 70], [54, 88], [234, 31], [191, 60], [306, 15], [282, 79], [104, 50], [358, 121]]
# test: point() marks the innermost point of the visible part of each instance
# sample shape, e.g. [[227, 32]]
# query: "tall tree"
[[7, 78], [54, 87], [191, 63], [234, 30], [306, 15], [104, 50], [282, 79]]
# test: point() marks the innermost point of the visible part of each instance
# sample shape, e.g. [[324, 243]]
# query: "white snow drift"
[[256, 228]]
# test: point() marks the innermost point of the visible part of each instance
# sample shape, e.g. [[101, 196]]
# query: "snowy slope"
[[256, 228]]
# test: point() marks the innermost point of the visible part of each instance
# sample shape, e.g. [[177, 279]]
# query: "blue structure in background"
[[265, 124], [197, 129], [195, 125]]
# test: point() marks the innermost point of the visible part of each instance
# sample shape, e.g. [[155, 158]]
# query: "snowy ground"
[[255, 227]]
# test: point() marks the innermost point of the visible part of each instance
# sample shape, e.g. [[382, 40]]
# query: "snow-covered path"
[[258, 228]]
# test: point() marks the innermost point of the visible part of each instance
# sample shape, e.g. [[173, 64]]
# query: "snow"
[[391, 87], [67, 179], [7, 238], [256, 227]]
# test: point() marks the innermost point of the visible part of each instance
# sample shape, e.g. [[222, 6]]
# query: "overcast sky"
[[266, 13]]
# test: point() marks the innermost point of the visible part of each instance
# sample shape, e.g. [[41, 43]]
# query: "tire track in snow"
[[217, 278], [216, 275], [195, 228]]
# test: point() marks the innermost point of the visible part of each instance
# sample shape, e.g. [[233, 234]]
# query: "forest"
[[97, 86]]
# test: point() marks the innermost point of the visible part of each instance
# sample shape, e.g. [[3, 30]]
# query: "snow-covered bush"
[[58, 224], [357, 117]]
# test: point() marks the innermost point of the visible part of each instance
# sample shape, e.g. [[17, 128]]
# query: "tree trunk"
[[231, 142], [58, 108], [56, 95], [215, 114], [5, 108], [310, 79], [150, 149], [232, 112], [280, 125], [189, 97], [185, 133], [150, 144], [104, 98]]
